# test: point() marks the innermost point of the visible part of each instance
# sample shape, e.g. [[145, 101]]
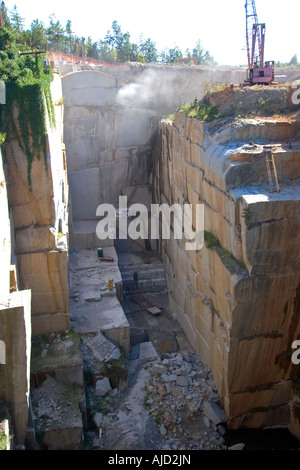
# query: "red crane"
[[188, 59], [258, 72]]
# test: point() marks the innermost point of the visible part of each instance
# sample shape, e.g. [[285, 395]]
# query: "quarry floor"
[[147, 414], [159, 404], [167, 399]]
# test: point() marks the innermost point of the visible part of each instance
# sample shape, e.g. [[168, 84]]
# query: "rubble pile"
[[172, 404], [183, 400]]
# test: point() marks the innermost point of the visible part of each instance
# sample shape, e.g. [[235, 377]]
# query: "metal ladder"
[[272, 173]]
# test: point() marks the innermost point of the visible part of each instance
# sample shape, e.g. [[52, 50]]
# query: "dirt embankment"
[[276, 101]]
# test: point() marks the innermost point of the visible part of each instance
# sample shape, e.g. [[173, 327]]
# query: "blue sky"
[[219, 24]]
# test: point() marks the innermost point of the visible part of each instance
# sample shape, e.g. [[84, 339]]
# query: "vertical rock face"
[[40, 221], [110, 123], [5, 237], [15, 328], [15, 334], [238, 296], [108, 147]]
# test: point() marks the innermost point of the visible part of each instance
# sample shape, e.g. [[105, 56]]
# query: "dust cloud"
[[152, 89]]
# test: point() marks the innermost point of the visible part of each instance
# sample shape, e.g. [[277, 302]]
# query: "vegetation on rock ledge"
[[27, 82], [230, 262], [200, 110]]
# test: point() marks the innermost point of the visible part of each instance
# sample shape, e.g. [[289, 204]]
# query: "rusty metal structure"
[[259, 72]]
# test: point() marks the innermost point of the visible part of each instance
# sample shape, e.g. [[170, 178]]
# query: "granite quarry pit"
[[141, 344]]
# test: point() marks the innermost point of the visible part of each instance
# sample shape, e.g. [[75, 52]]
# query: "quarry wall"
[[237, 297], [111, 117], [224, 295], [15, 331], [40, 220]]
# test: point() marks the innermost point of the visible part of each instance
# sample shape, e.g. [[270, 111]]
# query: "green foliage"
[[172, 55], [116, 371], [230, 262], [247, 215], [116, 46], [100, 405], [3, 440], [200, 110], [147, 397], [148, 50], [91, 49], [218, 88], [210, 240], [17, 22], [38, 38], [135, 54], [107, 53], [293, 61], [55, 35], [5, 16], [119, 41], [202, 56], [27, 84]]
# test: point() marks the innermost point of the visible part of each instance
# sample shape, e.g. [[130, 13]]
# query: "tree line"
[[293, 61], [116, 46]]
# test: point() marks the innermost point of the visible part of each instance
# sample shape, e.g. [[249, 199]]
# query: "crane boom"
[[251, 20], [258, 71]]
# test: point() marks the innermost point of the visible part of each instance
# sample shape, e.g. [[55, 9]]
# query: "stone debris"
[[177, 398], [98, 419], [239, 446], [166, 408], [102, 349], [57, 355], [96, 443], [103, 387], [214, 413], [57, 412], [159, 369], [147, 351]]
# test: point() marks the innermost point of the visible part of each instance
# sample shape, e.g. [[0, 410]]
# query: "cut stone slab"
[[57, 416], [106, 316], [214, 413], [102, 349], [90, 275], [91, 295], [58, 356], [147, 351], [98, 419], [102, 387], [34, 239]]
